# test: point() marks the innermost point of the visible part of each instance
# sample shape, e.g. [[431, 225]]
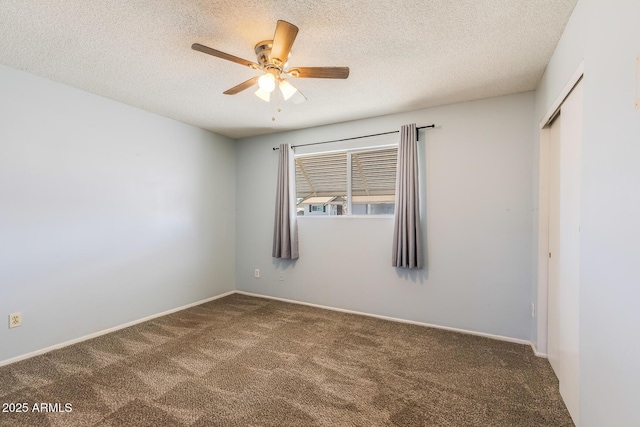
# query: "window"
[[356, 182]]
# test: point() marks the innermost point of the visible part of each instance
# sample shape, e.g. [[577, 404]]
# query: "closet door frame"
[[558, 308], [540, 347]]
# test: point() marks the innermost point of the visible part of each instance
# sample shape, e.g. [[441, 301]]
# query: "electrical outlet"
[[281, 278], [15, 320], [256, 273], [533, 310]]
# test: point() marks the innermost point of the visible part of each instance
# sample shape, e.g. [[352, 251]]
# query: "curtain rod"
[[359, 137]]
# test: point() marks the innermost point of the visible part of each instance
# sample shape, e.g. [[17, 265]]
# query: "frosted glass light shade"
[[287, 89], [264, 95], [267, 82]]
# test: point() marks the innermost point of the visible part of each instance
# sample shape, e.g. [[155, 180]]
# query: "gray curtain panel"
[[285, 228], [407, 238]]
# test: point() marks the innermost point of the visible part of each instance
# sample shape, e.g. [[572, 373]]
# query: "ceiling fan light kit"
[[287, 89], [272, 59], [267, 82], [263, 94]]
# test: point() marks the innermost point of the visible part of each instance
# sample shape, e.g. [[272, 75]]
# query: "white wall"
[[610, 249], [108, 213], [478, 224], [607, 35]]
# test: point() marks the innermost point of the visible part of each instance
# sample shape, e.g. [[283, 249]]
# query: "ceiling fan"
[[272, 57]]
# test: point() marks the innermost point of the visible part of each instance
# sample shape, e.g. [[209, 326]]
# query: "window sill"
[[345, 216]]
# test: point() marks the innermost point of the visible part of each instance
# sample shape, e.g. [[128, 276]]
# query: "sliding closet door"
[[564, 248]]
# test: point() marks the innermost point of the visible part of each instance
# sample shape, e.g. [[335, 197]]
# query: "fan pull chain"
[[277, 108]]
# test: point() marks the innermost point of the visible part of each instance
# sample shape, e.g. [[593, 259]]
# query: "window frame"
[[349, 152]]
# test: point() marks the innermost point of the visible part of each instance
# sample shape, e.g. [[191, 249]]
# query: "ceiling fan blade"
[[242, 86], [320, 72], [283, 39], [213, 52], [298, 97]]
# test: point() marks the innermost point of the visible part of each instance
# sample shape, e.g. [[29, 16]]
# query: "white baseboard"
[[184, 307], [108, 330], [537, 353], [395, 319]]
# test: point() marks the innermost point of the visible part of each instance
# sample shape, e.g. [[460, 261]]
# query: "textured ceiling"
[[403, 55]]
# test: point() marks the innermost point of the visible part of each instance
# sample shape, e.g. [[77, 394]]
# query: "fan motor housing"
[[263, 52]]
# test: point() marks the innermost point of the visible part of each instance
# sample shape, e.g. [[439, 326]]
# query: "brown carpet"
[[245, 361]]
